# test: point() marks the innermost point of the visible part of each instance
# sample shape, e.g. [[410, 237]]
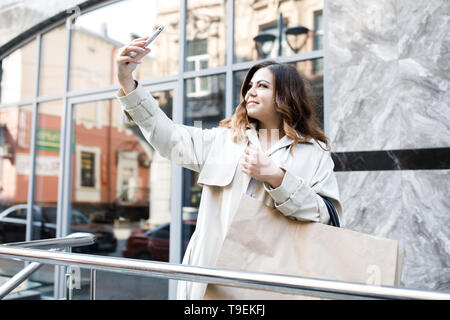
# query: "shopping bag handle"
[[334, 217]]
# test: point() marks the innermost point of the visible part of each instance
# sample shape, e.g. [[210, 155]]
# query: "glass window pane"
[[205, 109], [207, 102], [318, 30], [239, 77], [190, 65], [190, 86], [97, 37], [296, 21], [15, 134], [48, 144], [46, 180], [15, 127], [163, 60], [87, 169], [53, 64], [206, 33], [121, 192], [17, 74], [313, 71]]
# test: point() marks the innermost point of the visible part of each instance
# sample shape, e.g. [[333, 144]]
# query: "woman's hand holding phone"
[[126, 63]]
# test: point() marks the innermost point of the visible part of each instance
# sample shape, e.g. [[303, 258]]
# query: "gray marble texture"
[[388, 76], [360, 31], [363, 109], [423, 98], [411, 207], [386, 30], [423, 27]]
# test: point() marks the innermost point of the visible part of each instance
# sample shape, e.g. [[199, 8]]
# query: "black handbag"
[[334, 217]]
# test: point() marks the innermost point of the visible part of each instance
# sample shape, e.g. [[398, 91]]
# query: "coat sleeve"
[[301, 201], [184, 145]]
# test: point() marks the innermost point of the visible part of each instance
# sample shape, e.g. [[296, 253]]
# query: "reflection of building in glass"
[[16, 70], [206, 26], [14, 143], [92, 59], [263, 17], [163, 60], [107, 157]]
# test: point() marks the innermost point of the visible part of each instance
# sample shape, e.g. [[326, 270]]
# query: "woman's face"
[[260, 99]]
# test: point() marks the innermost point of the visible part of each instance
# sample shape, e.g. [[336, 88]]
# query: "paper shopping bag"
[[261, 239]]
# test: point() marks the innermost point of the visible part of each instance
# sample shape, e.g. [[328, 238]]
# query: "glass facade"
[[16, 68], [121, 193], [15, 174], [275, 28], [204, 107], [52, 62], [17, 17], [115, 184], [97, 37], [205, 34]]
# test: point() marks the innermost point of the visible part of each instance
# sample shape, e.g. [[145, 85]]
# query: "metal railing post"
[[18, 278], [92, 291], [68, 282]]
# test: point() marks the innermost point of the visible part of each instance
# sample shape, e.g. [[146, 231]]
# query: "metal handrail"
[[73, 240], [76, 239], [18, 278], [264, 281]]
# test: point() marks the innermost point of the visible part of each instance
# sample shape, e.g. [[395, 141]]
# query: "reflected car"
[[153, 244], [13, 226]]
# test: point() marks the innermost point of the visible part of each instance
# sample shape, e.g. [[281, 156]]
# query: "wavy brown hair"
[[293, 101]]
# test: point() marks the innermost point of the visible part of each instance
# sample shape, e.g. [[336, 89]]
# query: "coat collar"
[[252, 135]]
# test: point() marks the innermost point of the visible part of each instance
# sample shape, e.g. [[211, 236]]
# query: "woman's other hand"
[[258, 165], [126, 63]]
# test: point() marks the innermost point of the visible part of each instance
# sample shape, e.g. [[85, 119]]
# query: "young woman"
[[271, 148]]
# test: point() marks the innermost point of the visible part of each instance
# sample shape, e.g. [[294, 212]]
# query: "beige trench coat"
[[212, 153]]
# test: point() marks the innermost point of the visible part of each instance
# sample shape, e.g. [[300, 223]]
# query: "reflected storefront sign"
[[45, 165], [47, 139]]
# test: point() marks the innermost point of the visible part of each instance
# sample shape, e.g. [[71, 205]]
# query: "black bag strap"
[[334, 217]]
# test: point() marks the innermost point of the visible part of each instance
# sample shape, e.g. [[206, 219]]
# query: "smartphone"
[[153, 37], [149, 40]]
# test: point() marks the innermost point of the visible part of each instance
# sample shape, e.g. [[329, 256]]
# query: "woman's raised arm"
[[184, 145]]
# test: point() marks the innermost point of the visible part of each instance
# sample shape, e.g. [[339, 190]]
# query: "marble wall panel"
[[425, 222], [388, 74], [423, 98], [372, 202], [360, 31], [363, 107], [423, 27], [409, 206], [400, 104]]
